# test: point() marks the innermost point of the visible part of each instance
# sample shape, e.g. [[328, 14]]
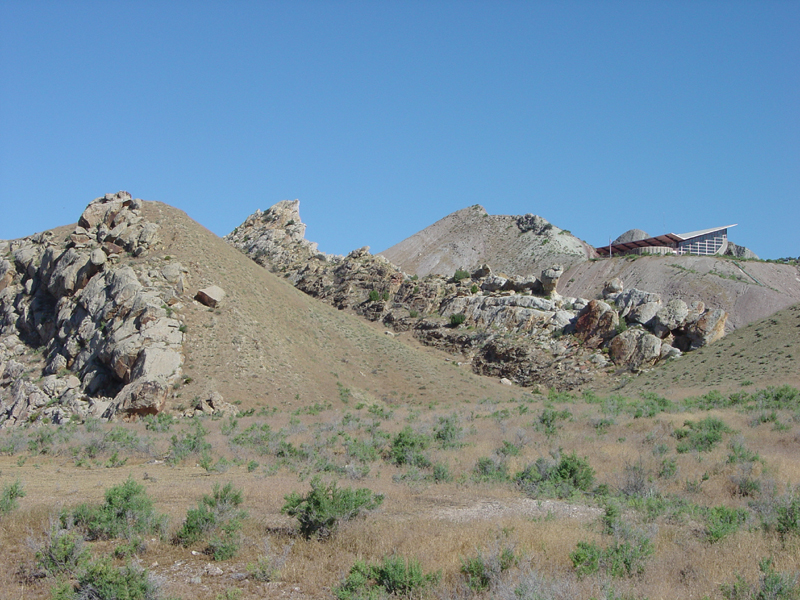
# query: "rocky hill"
[[513, 245], [519, 246], [105, 319], [520, 329]]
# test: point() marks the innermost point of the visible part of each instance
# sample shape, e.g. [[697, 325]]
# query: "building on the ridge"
[[705, 242]]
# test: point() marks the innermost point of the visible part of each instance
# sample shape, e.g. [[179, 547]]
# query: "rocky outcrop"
[[514, 327], [635, 348], [91, 315]]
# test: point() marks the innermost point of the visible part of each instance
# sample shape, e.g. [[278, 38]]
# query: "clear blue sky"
[[383, 116]]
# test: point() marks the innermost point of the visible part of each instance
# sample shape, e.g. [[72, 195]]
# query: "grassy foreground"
[[557, 496]]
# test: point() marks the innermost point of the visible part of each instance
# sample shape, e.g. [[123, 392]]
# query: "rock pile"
[[102, 325]]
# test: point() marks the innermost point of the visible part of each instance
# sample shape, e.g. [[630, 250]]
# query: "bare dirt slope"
[[763, 353], [471, 237], [747, 290], [270, 344]]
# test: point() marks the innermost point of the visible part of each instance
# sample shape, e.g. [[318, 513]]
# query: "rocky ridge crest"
[[518, 328]]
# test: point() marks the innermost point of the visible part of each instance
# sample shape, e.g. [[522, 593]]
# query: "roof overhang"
[[667, 240]]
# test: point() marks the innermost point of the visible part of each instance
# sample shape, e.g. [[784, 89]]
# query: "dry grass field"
[[455, 494]]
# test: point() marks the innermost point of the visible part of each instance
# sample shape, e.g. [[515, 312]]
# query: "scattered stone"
[[210, 296]]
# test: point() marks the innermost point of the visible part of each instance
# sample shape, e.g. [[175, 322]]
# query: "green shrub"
[[771, 585], [548, 421], [218, 513], [321, 510], [623, 558], [460, 274], [188, 443], [127, 512], [560, 479], [586, 558], [489, 469], [788, 516], [441, 473], [9, 496], [473, 289], [407, 448], [723, 521], [457, 319], [700, 436], [447, 433], [62, 552], [101, 580], [483, 570], [374, 296], [394, 576]]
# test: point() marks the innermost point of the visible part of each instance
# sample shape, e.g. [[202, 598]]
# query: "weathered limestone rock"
[[612, 286], [494, 283], [597, 323], [669, 318], [482, 272], [708, 328], [534, 223], [644, 314], [550, 279], [628, 300], [139, 398], [635, 348], [211, 296]]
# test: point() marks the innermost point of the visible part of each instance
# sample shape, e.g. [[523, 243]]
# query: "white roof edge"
[[694, 234]]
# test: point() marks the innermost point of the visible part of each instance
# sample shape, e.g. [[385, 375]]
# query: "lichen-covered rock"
[[708, 328], [635, 348], [612, 286], [630, 299], [597, 323], [671, 317]]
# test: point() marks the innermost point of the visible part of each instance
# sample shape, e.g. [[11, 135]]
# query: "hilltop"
[[513, 245]]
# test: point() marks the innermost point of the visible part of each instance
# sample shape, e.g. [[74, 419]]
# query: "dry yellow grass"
[[438, 524]]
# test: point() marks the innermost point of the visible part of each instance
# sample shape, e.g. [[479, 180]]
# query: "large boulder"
[[139, 398], [612, 286], [628, 300], [632, 235], [597, 323], [550, 279], [708, 328], [670, 318], [635, 348], [211, 296]]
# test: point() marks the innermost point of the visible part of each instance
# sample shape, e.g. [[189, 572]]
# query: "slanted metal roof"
[[668, 239], [694, 234]]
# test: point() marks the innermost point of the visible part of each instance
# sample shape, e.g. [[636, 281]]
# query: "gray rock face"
[[635, 348], [671, 317], [550, 279], [630, 299], [108, 346], [612, 286], [740, 251]]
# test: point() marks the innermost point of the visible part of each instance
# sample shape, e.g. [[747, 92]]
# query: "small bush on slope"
[[325, 506]]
